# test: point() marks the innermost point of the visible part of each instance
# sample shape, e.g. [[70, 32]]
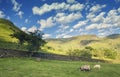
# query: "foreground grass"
[[26, 67]]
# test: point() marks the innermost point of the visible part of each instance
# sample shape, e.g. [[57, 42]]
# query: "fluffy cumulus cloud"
[[24, 29], [97, 8], [45, 36], [75, 20], [67, 18], [63, 35], [110, 21], [16, 5], [92, 26], [57, 6], [2, 15], [60, 18], [98, 18], [62, 28], [46, 23], [32, 29], [67, 36], [79, 24]]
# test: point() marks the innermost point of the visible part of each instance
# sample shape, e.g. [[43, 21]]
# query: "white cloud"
[[90, 15], [92, 26], [67, 36], [104, 20], [97, 8], [46, 36], [62, 28], [46, 23], [64, 19], [70, 1], [47, 8], [104, 25], [112, 18], [71, 30], [2, 15], [75, 7], [20, 14], [60, 18], [79, 24], [60, 35], [57, 6], [32, 29], [16, 6], [24, 29], [98, 18], [63, 35], [119, 10]]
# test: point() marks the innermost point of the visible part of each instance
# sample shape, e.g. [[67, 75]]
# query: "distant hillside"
[[62, 46], [113, 36]]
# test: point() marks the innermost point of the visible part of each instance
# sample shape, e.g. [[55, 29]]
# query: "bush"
[[85, 53], [110, 54]]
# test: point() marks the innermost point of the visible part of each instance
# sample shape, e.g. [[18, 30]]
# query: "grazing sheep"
[[85, 68], [97, 66]]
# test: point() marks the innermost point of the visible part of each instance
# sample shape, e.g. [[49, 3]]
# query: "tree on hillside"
[[34, 39], [21, 36]]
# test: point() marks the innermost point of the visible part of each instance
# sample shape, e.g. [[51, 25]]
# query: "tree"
[[86, 53], [34, 39], [110, 54], [20, 35]]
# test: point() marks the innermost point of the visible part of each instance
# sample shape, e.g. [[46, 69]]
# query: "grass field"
[[27, 67]]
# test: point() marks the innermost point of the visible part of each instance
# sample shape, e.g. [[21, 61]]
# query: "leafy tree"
[[21, 36], [34, 39], [86, 53]]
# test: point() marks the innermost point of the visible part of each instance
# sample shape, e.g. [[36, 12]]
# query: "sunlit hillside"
[[6, 29]]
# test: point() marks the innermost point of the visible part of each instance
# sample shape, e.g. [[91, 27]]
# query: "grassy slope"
[[21, 67], [6, 29]]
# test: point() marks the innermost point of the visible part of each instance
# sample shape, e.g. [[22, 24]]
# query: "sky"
[[64, 18]]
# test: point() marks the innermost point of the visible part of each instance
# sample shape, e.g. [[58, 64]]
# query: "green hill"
[[6, 29], [101, 45]]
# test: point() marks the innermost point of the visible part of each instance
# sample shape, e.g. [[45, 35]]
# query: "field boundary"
[[18, 53]]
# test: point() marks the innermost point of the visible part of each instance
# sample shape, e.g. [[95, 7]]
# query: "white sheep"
[[97, 66], [85, 68]]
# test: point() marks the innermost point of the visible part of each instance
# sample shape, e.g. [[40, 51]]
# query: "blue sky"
[[64, 18]]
